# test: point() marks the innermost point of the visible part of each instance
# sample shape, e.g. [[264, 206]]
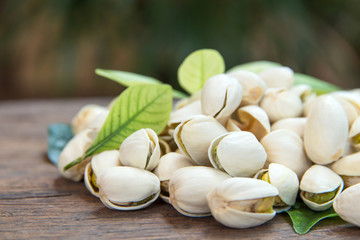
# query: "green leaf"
[[139, 106], [303, 218], [255, 67], [58, 136], [128, 79], [318, 86], [198, 67]]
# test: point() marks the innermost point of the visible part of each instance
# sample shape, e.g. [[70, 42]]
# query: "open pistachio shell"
[[296, 125], [348, 167], [320, 186], [350, 110], [96, 166], [286, 182], [278, 77], [74, 149], [185, 113], [255, 120], [168, 164], [85, 116], [326, 130], [354, 134], [347, 205], [141, 149], [242, 202], [189, 186], [193, 137], [239, 154], [99, 120], [186, 101], [233, 126], [128, 188], [253, 86], [220, 96], [280, 103], [286, 147]]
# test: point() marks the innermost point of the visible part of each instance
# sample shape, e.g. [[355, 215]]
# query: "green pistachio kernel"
[[260, 205], [356, 139], [320, 198]]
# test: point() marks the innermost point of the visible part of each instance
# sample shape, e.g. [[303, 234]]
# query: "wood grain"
[[36, 202]]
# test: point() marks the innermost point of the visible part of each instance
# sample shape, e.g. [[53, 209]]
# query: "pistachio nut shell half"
[[220, 96], [74, 149], [242, 202], [239, 154], [279, 103], [296, 125], [278, 77], [347, 205], [193, 137], [253, 86], [85, 116], [254, 119], [168, 164], [96, 166], [286, 147], [184, 113], [286, 182], [189, 186], [128, 188], [141, 149], [326, 130], [319, 187], [348, 168]]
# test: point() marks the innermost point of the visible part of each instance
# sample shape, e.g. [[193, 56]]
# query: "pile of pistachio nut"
[[241, 150]]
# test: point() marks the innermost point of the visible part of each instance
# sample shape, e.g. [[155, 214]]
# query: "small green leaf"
[[58, 136], [198, 67], [318, 86], [139, 106], [255, 67], [128, 79], [303, 218]]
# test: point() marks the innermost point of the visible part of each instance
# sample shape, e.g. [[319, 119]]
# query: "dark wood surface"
[[36, 202]]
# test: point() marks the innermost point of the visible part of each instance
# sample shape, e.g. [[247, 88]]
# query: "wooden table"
[[36, 202]]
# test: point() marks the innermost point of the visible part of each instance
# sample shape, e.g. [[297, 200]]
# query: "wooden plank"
[[36, 202]]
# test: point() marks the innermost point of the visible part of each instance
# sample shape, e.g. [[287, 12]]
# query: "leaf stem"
[[75, 162]]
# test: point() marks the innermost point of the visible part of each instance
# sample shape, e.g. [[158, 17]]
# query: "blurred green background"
[[50, 48]]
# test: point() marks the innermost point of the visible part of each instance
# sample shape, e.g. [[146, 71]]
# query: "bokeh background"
[[50, 48]]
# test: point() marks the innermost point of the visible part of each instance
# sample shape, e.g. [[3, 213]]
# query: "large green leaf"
[[304, 218], [318, 86], [139, 106], [128, 79], [58, 136], [198, 67], [255, 67]]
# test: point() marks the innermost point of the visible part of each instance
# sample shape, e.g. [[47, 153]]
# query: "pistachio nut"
[[242, 202], [220, 96], [85, 116], [239, 154], [278, 77], [141, 149], [347, 205], [96, 166], [188, 187], [193, 137], [296, 125], [354, 134], [168, 164], [127, 188], [74, 149], [254, 119], [99, 120], [253, 86], [280, 103], [319, 187], [348, 167], [286, 147], [286, 182], [233, 126], [184, 113], [326, 130]]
